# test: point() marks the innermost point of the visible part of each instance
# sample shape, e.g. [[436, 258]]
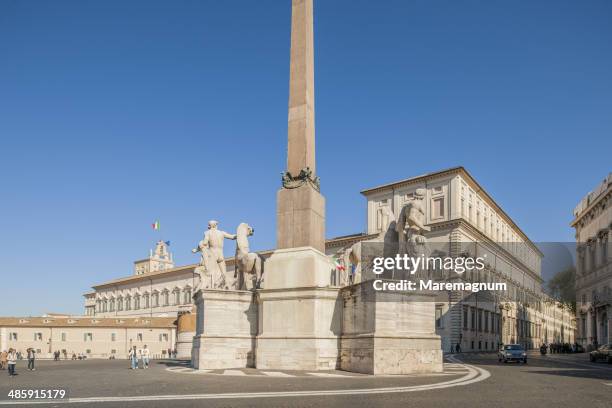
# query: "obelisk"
[[300, 206], [298, 315]]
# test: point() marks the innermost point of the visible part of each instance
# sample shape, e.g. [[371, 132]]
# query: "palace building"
[[593, 224], [92, 337], [463, 219]]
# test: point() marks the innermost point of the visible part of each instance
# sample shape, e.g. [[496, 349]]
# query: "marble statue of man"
[[212, 251], [411, 227]]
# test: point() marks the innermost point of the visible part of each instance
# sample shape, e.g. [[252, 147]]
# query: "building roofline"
[[88, 321], [591, 205], [479, 189]]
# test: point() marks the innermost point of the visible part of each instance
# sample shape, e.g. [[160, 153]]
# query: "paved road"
[[549, 381]]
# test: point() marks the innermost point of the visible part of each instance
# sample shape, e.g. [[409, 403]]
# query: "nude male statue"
[[411, 226], [212, 250]]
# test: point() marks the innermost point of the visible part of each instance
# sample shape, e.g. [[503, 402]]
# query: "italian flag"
[[155, 225], [339, 265]]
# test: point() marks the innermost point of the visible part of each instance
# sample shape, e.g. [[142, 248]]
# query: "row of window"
[[86, 336], [144, 302], [486, 220], [481, 320]]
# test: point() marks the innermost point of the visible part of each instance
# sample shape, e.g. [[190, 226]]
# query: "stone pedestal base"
[[184, 344], [226, 329], [300, 315], [388, 333]]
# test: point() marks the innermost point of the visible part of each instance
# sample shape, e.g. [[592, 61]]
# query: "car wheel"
[[505, 361]]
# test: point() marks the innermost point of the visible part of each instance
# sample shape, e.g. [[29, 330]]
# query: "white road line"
[[233, 372], [474, 375], [277, 374], [610, 384]]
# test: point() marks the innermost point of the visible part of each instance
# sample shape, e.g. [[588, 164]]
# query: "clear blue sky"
[[116, 113]]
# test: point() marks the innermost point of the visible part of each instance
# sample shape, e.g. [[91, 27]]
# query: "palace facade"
[[92, 337], [593, 224]]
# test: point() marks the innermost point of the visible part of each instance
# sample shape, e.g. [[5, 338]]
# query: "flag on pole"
[[155, 225], [339, 265]]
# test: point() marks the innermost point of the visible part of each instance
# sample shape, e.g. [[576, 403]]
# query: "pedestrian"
[[11, 361], [31, 357], [144, 354], [3, 360], [458, 348], [74, 357], [133, 358]]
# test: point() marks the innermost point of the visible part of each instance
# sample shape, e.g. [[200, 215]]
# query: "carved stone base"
[[226, 329], [389, 333]]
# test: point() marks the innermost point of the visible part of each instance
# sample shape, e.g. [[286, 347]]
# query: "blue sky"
[[114, 114]]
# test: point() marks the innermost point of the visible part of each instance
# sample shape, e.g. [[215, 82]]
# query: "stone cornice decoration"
[[305, 177], [589, 211]]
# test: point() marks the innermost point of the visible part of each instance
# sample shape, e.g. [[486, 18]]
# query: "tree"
[[562, 287]]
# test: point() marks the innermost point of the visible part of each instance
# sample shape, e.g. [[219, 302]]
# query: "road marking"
[[277, 374], [474, 374], [608, 384], [233, 372]]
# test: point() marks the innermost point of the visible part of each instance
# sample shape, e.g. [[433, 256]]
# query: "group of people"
[[8, 361], [556, 348], [137, 355]]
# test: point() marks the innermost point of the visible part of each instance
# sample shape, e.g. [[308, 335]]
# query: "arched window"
[[187, 296], [105, 305], [128, 302], [111, 305], [166, 297], [146, 300], [120, 303], [155, 299], [136, 302], [177, 296]]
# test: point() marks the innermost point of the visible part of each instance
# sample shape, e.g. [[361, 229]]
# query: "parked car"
[[512, 352], [602, 353]]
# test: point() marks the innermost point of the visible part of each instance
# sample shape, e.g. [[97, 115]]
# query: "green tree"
[[562, 287]]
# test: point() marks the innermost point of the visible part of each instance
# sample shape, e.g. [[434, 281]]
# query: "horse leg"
[[258, 265]]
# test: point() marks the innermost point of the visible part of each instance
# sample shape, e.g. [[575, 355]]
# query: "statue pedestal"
[[300, 315], [184, 335], [226, 329], [389, 333]]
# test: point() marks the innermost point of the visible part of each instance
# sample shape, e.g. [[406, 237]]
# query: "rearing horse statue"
[[246, 262]]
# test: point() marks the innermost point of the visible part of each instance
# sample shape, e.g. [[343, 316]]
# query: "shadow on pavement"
[[174, 363]]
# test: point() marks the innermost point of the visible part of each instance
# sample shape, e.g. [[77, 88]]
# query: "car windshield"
[[513, 347]]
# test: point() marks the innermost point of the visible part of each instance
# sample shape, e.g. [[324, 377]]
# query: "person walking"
[[31, 357], [12, 362], [144, 355], [133, 358], [3, 360]]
